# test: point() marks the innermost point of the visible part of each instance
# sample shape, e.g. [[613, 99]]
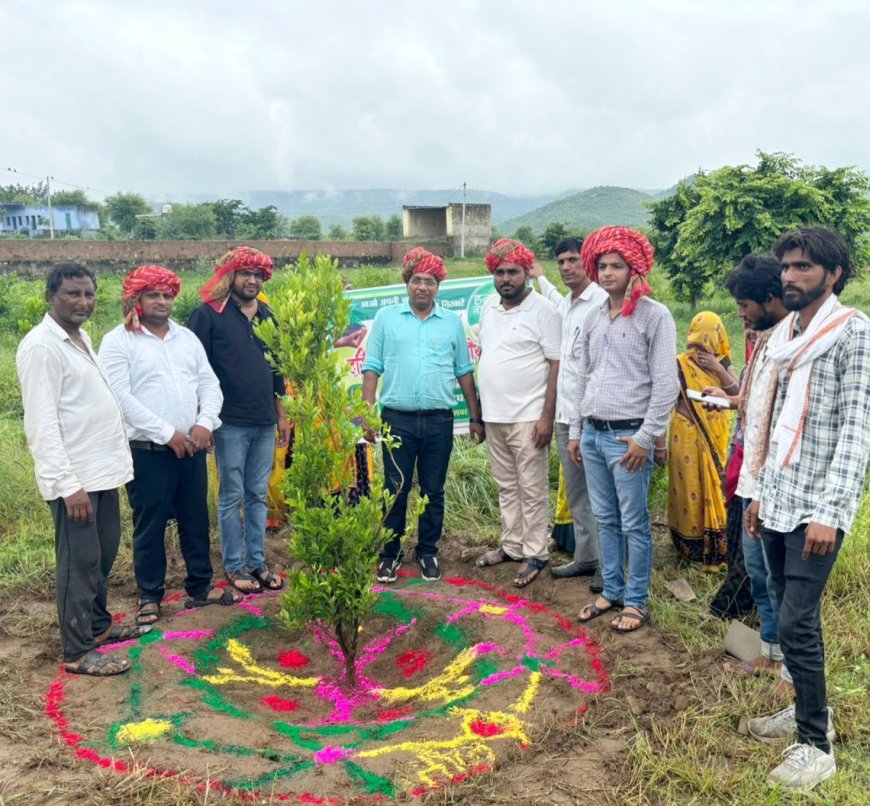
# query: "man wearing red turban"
[[171, 402], [145, 278], [627, 387], [636, 251], [520, 341], [252, 390], [420, 351]]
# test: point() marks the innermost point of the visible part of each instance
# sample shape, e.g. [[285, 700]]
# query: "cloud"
[[512, 96]]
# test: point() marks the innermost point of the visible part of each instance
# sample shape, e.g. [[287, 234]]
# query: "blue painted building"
[[24, 219]]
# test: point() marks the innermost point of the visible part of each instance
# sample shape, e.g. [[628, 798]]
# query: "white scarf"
[[797, 355]]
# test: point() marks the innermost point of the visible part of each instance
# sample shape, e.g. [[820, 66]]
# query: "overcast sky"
[[525, 97]]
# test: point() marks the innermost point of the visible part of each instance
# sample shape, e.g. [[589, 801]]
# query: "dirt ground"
[[577, 740]]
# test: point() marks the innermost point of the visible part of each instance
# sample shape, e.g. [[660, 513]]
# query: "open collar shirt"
[[418, 359], [627, 369], [164, 385], [573, 311], [72, 419], [825, 485]]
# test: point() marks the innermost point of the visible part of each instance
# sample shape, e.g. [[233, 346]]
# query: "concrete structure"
[[446, 222], [33, 220]]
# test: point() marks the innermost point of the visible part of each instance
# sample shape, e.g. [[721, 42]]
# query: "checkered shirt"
[[825, 485]]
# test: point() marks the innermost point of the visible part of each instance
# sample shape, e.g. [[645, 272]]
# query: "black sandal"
[[234, 577], [229, 596], [96, 664], [268, 580], [147, 614], [528, 573]]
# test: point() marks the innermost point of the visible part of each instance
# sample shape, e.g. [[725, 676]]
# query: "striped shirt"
[[825, 485], [627, 369]]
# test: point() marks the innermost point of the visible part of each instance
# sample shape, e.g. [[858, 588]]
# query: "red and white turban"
[[635, 249], [419, 261], [216, 291], [507, 250], [145, 278]]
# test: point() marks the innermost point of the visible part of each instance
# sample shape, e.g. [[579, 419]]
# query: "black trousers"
[[84, 553], [163, 487], [798, 584]]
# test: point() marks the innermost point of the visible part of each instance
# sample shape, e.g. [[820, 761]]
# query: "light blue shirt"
[[419, 360]]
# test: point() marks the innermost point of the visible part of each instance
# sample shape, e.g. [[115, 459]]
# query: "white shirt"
[[164, 385], [573, 312], [72, 419], [763, 376], [515, 345]]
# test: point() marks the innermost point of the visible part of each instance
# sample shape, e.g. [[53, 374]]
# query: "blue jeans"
[[426, 443], [761, 584], [619, 502], [244, 456]]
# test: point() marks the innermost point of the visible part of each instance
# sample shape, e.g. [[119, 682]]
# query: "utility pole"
[[462, 231], [50, 217]]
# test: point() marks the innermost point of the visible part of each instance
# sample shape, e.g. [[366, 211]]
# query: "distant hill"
[[342, 206], [589, 209]]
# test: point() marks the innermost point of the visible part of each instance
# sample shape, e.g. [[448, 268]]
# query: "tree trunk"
[[347, 636]]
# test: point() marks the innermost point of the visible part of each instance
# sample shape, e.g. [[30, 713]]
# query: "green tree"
[[716, 218], [553, 233], [394, 228], [148, 228], [306, 228], [337, 233], [228, 215], [189, 222], [24, 194], [335, 537], [71, 197], [123, 209], [368, 228], [262, 224]]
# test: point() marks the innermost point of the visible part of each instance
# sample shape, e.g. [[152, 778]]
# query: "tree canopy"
[[306, 228], [714, 219], [123, 209]]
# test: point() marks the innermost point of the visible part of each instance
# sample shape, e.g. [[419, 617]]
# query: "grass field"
[[696, 758]]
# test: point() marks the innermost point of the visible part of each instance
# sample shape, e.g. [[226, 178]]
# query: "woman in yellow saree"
[[698, 447]]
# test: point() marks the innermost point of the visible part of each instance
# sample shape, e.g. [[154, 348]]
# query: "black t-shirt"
[[238, 358]]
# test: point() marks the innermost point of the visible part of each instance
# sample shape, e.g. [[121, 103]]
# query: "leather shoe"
[[573, 569], [596, 584]]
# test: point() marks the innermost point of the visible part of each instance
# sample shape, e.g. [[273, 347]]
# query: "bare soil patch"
[[567, 747]]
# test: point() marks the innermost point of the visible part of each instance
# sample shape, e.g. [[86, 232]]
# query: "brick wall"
[[34, 257]]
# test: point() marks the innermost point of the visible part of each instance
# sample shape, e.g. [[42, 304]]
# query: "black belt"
[[418, 412], [614, 425], [144, 445]]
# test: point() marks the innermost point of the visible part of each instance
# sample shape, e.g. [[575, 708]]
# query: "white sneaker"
[[803, 768], [782, 725]]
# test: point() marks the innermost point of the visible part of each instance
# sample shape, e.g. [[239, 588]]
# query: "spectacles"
[[429, 282]]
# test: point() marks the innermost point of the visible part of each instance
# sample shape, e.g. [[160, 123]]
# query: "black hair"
[[67, 271], [756, 277], [571, 244], [822, 245]]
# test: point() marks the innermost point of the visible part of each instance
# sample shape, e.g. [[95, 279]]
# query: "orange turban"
[[216, 291], [145, 278], [419, 261], [635, 249], [507, 250]]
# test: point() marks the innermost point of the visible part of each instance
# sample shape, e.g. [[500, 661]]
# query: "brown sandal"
[[638, 619], [494, 557], [595, 611]]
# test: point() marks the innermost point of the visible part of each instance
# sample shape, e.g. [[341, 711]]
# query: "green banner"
[[465, 297]]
